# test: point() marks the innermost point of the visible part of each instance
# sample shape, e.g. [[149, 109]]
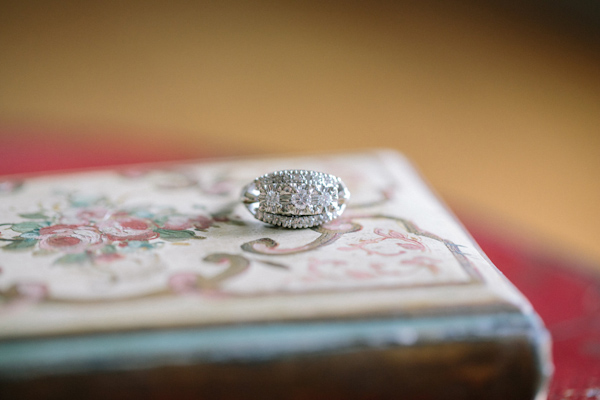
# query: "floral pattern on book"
[[340, 270], [374, 246], [127, 243], [96, 231]]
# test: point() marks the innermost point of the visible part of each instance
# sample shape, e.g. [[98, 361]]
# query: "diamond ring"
[[296, 198]]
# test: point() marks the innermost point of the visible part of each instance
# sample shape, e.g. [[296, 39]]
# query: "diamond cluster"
[[296, 198]]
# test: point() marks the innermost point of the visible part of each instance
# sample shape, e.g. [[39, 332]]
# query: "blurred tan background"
[[497, 103]]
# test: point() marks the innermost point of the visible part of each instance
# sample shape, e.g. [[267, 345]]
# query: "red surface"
[[566, 297], [27, 150]]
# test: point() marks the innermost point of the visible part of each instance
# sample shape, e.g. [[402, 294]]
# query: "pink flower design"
[[177, 223], [407, 242], [32, 291], [425, 262], [373, 246], [108, 257], [181, 222], [405, 267], [92, 214], [320, 270], [334, 270], [84, 216], [183, 283], [70, 238], [121, 227], [201, 222]]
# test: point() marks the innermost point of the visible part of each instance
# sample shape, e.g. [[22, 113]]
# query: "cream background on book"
[[146, 261]]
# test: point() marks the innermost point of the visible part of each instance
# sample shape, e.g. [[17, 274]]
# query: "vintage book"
[[155, 281]]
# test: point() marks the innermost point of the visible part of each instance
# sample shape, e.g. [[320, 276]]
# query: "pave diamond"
[[296, 198], [325, 199], [272, 198], [302, 199]]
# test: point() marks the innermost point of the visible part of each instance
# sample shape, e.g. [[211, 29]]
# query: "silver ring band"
[[296, 198]]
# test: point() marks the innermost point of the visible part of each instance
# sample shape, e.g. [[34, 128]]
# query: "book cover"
[[155, 277]]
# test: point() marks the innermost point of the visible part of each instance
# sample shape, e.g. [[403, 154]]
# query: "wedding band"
[[296, 198]]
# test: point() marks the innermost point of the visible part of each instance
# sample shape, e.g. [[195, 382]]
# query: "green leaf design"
[[33, 216], [79, 258], [109, 249], [34, 234], [172, 235], [20, 244], [160, 220], [23, 227]]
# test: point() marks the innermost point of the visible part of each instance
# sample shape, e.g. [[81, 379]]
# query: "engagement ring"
[[296, 198]]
